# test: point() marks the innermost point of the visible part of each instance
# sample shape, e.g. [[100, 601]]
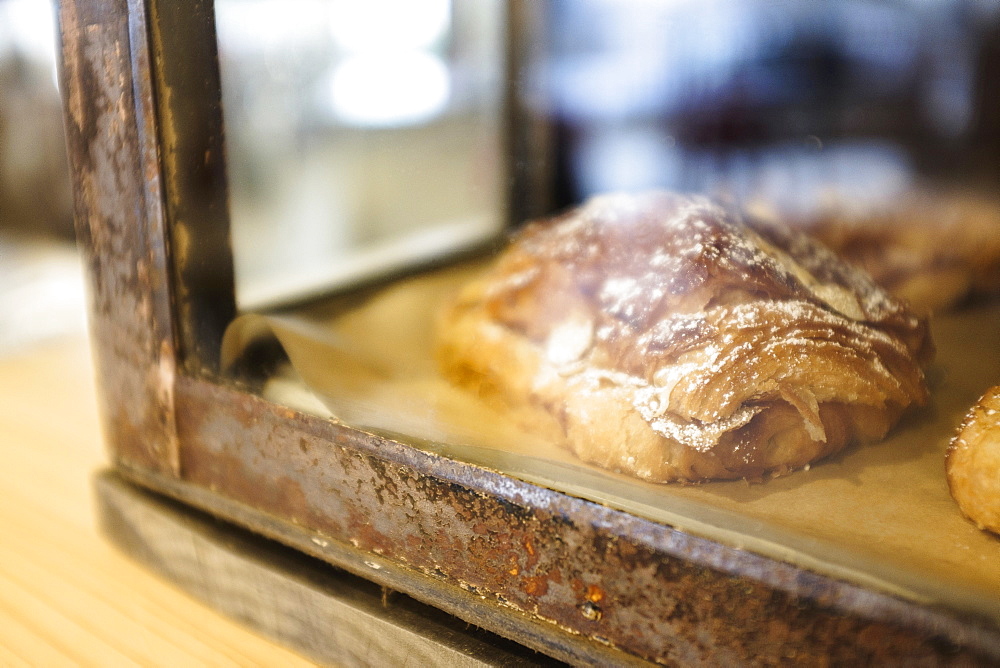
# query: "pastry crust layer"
[[972, 463], [663, 336], [931, 246]]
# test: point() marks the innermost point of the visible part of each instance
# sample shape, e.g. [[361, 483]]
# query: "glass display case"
[[276, 200]]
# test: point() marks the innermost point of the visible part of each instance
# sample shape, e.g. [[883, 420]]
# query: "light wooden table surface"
[[67, 597]]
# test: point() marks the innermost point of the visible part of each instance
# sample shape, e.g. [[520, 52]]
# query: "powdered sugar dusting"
[[701, 315], [701, 436]]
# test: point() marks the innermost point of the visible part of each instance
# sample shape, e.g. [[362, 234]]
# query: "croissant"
[[972, 463], [932, 246], [670, 338]]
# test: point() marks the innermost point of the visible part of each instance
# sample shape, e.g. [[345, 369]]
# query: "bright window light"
[[375, 25], [389, 89], [28, 27], [249, 27]]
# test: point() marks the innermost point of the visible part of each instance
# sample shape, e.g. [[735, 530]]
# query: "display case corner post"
[[109, 76]]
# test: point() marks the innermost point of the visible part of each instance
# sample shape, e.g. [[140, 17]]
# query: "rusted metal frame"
[[286, 595], [465, 604], [112, 146], [561, 574], [187, 94]]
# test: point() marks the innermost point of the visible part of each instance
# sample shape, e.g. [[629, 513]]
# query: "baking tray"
[[878, 516]]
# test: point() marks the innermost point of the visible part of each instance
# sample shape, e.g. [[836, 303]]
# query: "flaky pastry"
[[931, 246], [662, 336], [972, 463]]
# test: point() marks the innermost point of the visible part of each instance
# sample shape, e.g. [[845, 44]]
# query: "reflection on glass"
[[361, 135], [746, 94], [392, 72]]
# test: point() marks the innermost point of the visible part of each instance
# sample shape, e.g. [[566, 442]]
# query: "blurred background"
[[366, 133], [361, 135], [769, 94], [41, 290]]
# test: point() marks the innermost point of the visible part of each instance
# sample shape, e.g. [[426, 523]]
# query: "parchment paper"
[[879, 516]]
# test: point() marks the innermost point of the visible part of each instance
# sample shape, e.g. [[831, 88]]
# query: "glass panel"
[[360, 135]]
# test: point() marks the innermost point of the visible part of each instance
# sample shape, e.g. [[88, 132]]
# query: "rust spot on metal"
[[536, 586], [594, 594]]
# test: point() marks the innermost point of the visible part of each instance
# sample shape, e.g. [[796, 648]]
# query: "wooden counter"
[[67, 597]]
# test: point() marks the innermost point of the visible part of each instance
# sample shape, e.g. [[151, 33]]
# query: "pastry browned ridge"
[[671, 338], [932, 246], [972, 463]]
